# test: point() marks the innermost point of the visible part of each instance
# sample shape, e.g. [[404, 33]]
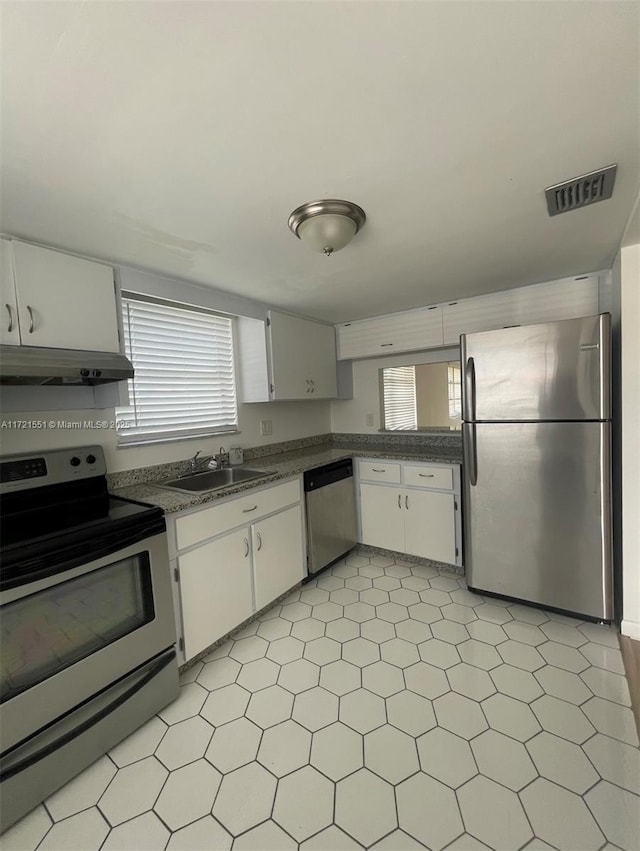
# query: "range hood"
[[31, 365]]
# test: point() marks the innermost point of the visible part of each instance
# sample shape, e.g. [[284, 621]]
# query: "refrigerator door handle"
[[470, 453], [470, 388]]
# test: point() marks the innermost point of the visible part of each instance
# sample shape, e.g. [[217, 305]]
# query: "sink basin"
[[211, 480]]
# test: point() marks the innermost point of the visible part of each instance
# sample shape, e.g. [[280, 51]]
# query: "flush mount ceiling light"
[[327, 225]]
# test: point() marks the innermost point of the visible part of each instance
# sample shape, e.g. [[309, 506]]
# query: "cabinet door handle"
[[426, 475], [406, 501], [313, 386], [30, 312], [10, 326], [379, 469], [246, 547], [399, 501], [259, 541], [247, 510]]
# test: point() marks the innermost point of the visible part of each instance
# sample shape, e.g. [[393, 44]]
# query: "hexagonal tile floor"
[[380, 706]]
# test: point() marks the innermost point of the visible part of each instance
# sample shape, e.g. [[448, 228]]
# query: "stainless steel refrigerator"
[[537, 464]]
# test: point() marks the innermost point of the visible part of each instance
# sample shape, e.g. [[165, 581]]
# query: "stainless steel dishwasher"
[[331, 513]]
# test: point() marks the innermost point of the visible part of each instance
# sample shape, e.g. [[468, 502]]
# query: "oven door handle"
[[52, 747], [70, 557]]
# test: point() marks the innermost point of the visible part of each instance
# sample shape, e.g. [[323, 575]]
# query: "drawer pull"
[[379, 469], [406, 501], [383, 345], [427, 475], [248, 510], [246, 547]]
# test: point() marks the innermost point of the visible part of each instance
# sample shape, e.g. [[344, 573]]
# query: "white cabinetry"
[[277, 554], [9, 328], [411, 508], [549, 302], [289, 359], [215, 589], [233, 559], [441, 325], [382, 521], [61, 301], [303, 358], [407, 331]]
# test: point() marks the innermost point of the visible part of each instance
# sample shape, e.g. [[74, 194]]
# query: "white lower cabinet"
[[382, 518], [429, 525], [419, 515], [227, 574], [277, 554], [215, 589]]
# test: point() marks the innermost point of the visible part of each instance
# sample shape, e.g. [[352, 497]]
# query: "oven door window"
[[46, 632]]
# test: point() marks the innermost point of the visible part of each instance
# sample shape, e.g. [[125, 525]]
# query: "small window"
[[184, 383], [399, 393]]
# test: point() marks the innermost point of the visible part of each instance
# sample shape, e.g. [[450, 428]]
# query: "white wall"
[[630, 381], [350, 415], [290, 420], [432, 395]]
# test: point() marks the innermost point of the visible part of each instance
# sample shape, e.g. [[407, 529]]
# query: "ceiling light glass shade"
[[327, 233], [327, 225]]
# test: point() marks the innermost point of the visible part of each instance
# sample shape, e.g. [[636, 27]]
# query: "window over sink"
[[184, 380]]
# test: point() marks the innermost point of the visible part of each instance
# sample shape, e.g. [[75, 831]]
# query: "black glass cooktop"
[[47, 519]]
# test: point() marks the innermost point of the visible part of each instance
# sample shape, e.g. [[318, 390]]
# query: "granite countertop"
[[284, 465]]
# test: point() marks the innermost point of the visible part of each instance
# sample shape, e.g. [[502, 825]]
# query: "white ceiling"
[[178, 137]]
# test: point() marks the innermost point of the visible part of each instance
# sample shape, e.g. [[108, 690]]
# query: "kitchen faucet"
[[197, 465], [207, 462]]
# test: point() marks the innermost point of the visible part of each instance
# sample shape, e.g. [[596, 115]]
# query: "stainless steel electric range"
[[86, 621]]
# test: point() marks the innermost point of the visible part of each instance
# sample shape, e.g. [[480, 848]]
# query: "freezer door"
[[554, 371], [538, 517]]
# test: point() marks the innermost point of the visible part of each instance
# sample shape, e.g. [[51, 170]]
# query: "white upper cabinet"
[[565, 299], [9, 329], [407, 331], [63, 301], [303, 358], [290, 359], [441, 325], [321, 360]]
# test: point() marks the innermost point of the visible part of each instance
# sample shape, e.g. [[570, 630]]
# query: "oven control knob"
[[74, 461], [91, 459]]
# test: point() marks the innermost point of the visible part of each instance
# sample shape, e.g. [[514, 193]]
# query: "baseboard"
[[631, 629], [631, 657]]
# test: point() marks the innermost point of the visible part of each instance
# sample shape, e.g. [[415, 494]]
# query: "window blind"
[[184, 383], [454, 388], [399, 388]]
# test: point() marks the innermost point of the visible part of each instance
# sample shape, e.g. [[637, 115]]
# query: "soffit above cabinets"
[[178, 137]]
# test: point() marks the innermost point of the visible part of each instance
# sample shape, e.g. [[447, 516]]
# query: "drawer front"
[[224, 516], [379, 471], [438, 477]]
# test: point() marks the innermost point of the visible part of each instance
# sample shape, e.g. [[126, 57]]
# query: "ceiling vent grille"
[[581, 191]]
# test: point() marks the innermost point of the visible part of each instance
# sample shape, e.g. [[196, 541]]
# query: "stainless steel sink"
[[211, 480]]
